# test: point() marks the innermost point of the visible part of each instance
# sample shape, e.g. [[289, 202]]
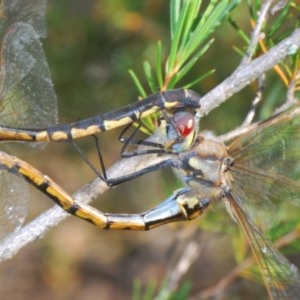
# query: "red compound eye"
[[184, 122]]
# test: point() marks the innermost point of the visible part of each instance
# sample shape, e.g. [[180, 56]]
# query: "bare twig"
[[290, 99], [237, 132], [251, 114], [221, 286], [257, 32], [256, 36], [278, 6], [237, 271], [192, 246], [244, 75], [240, 78]]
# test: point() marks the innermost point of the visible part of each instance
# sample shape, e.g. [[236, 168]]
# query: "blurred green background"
[[90, 47]]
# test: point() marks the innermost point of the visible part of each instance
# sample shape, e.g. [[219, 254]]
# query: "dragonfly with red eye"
[[173, 105], [248, 176], [176, 131], [169, 102]]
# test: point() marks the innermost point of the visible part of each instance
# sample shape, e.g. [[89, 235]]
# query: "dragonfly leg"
[[182, 205]]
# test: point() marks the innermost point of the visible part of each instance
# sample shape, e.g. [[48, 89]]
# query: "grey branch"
[[241, 77], [245, 74]]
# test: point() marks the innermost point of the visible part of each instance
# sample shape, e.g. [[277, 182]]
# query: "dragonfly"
[[254, 171], [250, 176], [27, 97], [182, 129], [165, 100]]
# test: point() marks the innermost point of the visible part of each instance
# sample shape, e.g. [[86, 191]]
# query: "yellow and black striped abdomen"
[[59, 133]]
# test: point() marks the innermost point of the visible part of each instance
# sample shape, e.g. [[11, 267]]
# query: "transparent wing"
[[267, 165], [31, 12], [27, 98], [26, 90], [14, 203], [261, 194], [272, 146], [280, 276]]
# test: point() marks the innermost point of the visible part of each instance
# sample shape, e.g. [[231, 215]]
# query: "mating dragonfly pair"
[[250, 176]]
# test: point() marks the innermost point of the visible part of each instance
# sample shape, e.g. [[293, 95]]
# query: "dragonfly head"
[[179, 131]]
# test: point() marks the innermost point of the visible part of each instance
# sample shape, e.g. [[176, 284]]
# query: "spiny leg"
[[177, 133]]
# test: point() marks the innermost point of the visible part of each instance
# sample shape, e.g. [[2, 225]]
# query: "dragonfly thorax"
[[203, 167]]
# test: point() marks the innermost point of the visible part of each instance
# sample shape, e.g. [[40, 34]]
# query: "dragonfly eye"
[[184, 123], [181, 131]]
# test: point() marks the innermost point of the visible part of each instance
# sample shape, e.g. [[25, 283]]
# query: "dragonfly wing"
[[26, 89], [273, 146], [14, 200], [266, 166], [261, 193], [27, 97], [31, 12], [280, 276]]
